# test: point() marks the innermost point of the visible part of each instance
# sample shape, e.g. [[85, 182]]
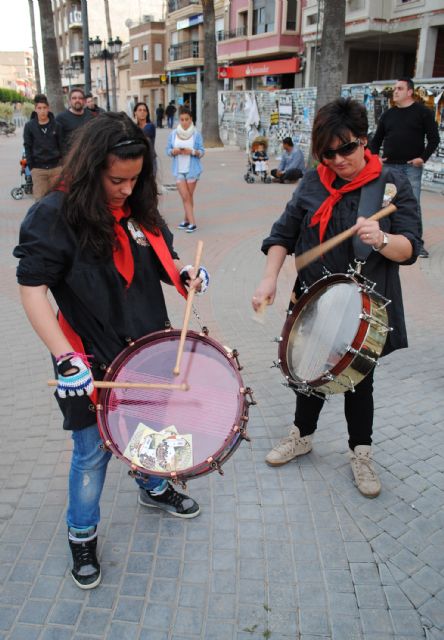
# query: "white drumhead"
[[325, 327]]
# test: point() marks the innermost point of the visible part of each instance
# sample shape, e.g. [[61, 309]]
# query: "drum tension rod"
[[235, 354], [247, 391]]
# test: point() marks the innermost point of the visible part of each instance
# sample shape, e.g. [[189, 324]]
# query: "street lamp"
[[107, 53]]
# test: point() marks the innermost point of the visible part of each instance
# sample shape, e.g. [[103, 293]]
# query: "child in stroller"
[[26, 181], [258, 162]]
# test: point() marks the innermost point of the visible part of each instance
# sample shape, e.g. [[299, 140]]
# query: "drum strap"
[[370, 201]]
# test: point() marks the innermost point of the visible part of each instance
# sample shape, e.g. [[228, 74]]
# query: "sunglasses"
[[345, 150]]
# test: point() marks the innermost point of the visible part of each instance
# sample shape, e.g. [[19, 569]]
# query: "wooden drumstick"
[[312, 254], [186, 318], [106, 384]]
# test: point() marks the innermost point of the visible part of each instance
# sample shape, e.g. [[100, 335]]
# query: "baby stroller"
[[26, 181], [257, 167]]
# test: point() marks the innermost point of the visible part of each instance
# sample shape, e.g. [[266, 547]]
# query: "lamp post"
[[107, 53]]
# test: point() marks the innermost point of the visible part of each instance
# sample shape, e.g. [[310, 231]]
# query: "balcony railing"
[[191, 49], [75, 18], [232, 33], [175, 5]]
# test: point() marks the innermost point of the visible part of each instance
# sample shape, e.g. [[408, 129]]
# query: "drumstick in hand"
[[312, 254], [107, 384], [186, 318]]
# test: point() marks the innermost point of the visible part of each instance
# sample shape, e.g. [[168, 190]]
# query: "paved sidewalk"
[[294, 552]]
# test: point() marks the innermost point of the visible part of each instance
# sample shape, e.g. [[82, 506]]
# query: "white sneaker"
[[290, 447], [365, 476]]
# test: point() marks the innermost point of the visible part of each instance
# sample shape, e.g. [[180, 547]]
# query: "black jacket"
[[42, 145]]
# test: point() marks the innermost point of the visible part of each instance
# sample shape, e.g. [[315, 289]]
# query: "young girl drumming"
[[185, 147], [99, 244]]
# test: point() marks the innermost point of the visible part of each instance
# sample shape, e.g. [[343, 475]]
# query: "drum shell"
[[234, 432], [363, 352]]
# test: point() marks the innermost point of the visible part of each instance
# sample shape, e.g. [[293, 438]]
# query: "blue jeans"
[[414, 176], [87, 477]]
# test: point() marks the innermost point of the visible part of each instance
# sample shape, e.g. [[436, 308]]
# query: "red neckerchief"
[[124, 263], [327, 176]]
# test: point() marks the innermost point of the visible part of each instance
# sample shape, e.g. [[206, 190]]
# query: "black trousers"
[[358, 409], [291, 175]]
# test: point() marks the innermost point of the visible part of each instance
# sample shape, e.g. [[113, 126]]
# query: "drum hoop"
[[234, 434], [357, 342]]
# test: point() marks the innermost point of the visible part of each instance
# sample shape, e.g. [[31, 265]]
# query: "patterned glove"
[[202, 274], [80, 381]]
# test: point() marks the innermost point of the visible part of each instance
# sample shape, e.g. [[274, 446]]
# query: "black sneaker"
[[86, 569], [423, 253], [183, 225], [171, 501]]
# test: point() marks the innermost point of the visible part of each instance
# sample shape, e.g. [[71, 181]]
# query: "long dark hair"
[[138, 104], [85, 206], [338, 119]]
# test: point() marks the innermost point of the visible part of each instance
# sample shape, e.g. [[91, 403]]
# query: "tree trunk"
[[111, 62], [329, 77], [50, 57], [34, 47], [210, 118]]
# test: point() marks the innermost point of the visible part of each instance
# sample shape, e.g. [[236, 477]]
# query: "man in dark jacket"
[[92, 106], [42, 142], [402, 130], [169, 112], [74, 117]]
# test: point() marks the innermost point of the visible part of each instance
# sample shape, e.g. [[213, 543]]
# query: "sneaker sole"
[[171, 513], [93, 585]]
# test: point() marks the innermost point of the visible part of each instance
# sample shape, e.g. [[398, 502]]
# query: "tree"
[[50, 57], [331, 61], [34, 47], [210, 119]]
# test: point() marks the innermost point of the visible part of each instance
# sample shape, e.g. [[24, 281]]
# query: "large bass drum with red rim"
[[174, 433]]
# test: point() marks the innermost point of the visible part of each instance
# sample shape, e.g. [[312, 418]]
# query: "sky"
[[15, 26]]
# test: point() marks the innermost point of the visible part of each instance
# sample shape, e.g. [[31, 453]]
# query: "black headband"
[[126, 143]]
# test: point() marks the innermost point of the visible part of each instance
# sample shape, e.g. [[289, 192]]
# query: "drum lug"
[[105, 446], [247, 391], [242, 431], [204, 332], [276, 364], [178, 481], [215, 466], [277, 339], [235, 353]]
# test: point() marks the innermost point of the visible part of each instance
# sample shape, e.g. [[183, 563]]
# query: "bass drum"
[[170, 432]]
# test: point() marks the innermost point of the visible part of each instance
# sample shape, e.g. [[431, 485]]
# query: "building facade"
[[17, 72]]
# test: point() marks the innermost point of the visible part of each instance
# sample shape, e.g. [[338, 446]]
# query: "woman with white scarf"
[[185, 147]]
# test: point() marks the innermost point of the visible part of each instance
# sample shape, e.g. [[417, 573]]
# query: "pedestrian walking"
[[402, 130], [73, 118], [160, 112], [100, 245], [170, 112], [92, 106], [141, 115], [43, 147], [185, 147], [326, 203]]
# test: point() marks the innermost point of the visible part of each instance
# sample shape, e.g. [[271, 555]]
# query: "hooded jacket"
[[42, 144]]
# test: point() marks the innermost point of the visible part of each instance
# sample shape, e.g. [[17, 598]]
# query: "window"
[[174, 37], [135, 54], [145, 52], [292, 15], [158, 53], [263, 16]]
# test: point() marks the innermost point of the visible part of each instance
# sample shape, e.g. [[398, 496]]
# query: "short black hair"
[[288, 141], [40, 98], [76, 90], [409, 82], [338, 119]]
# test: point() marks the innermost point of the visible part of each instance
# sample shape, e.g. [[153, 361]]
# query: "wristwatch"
[[384, 243]]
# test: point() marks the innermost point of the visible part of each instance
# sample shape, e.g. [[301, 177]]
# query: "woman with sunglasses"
[[324, 204]]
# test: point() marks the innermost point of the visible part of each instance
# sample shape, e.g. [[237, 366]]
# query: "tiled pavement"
[[294, 552]]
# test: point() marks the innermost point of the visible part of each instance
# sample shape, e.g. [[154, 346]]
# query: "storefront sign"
[[192, 21], [268, 68]]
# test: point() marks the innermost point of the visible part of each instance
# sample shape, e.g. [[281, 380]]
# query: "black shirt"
[[89, 291], [69, 122], [293, 232], [402, 132], [42, 142]]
